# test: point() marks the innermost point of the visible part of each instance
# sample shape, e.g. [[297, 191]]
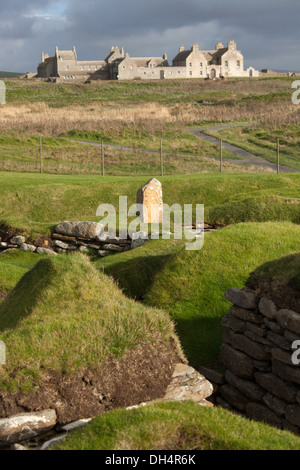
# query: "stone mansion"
[[118, 65]]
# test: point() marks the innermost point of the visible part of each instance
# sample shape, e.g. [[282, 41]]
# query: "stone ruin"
[[261, 380]]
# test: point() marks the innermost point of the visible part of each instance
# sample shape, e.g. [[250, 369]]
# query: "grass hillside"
[[191, 285], [35, 203], [59, 308], [177, 426]]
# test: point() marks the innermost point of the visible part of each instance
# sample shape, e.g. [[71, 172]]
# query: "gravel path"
[[246, 156]]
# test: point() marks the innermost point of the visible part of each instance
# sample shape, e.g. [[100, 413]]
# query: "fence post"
[[41, 155], [161, 158], [102, 153], [278, 156], [221, 155]]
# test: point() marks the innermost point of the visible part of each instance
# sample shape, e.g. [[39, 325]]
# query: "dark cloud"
[[266, 30]]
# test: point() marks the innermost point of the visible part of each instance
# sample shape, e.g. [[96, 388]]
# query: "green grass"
[[13, 266], [58, 308], [263, 143], [175, 426], [191, 285], [35, 203]]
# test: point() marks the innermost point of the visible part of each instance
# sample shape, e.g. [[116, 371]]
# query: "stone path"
[[247, 157]]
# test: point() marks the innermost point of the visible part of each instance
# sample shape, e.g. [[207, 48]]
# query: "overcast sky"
[[266, 31]]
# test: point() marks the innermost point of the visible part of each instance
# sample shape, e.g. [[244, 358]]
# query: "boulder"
[[188, 384], [241, 298], [26, 247], [85, 230], [45, 251], [18, 240], [267, 308], [289, 320], [26, 426]]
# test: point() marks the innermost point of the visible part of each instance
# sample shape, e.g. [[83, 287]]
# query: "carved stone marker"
[[151, 197]]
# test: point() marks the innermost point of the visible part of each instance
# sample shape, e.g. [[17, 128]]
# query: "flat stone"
[[246, 315], [26, 426], [258, 330], [237, 362], [114, 248], [18, 240], [64, 246], [267, 308], [273, 326], [289, 320], [257, 339], [212, 375], [292, 414], [188, 384], [45, 251], [75, 425], [277, 387], [103, 253], [291, 337], [235, 324], [246, 345], [258, 412], [250, 389], [282, 356], [279, 341], [85, 230], [241, 298], [235, 398], [275, 404], [26, 247], [64, 238], [263, 366], [52, 442], [291, 374]]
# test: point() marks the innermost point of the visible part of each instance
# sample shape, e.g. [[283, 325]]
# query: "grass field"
[[139, 115]]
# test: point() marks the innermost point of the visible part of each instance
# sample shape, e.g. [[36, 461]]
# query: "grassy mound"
[[256, 209], [65, 316], [280, 281], [35, 204], [191, 285], [174, 426], [13, 266]]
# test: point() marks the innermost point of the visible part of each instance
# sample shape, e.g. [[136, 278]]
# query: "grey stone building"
[[191, 63]]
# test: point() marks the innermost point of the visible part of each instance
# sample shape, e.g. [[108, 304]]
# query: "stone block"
[[241, 298]]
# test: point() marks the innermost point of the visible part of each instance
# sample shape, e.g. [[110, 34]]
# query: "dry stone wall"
[[261, 379]]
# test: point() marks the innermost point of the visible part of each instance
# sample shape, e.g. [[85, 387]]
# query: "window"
[[89, 67], [191, 73], [238, 63], [67, 67], [226, 63], [201, 64], [82, 67], [191, 65], [201, 73]]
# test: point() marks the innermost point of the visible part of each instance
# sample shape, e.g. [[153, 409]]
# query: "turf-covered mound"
[[75, 343], [256, 209], [279, 280], [177, 426], [191, 285]]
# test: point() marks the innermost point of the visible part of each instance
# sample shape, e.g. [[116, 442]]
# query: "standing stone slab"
[[188, 384], [26, 426], [151, 197]]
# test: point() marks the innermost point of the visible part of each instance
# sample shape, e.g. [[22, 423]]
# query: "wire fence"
[[75, 158]]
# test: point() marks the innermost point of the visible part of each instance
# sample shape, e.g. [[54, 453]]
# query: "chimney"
[[43, 57], [165, 57], [181, 48], [195, 47], [219, 46]]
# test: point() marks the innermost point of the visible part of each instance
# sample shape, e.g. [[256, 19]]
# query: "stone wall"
[[86, 237], [261, 380]]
